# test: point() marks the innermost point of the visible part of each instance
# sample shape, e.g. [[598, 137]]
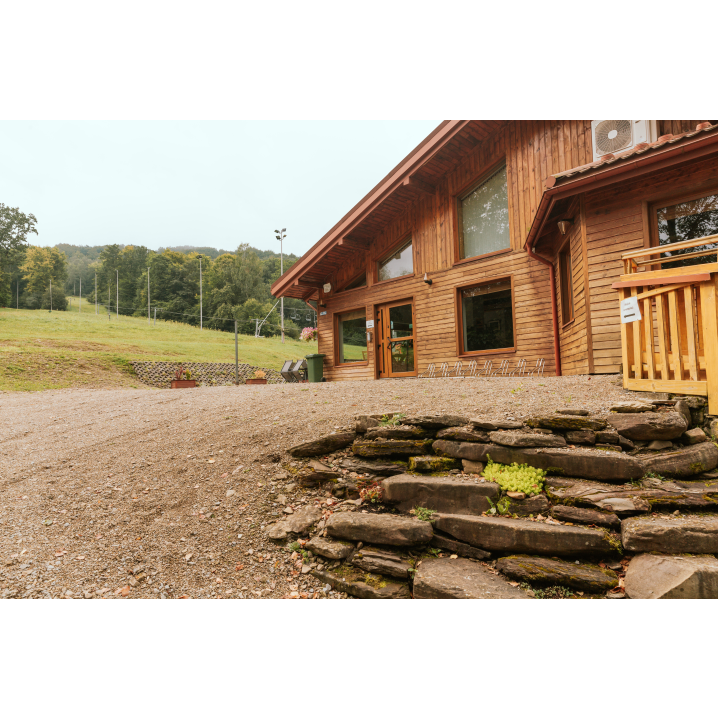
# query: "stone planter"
[[255, 381], [183, 383]]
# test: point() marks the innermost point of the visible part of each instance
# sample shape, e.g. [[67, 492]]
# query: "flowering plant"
[[259, 374], [309, 334]]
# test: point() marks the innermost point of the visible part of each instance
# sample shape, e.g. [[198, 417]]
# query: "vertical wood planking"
[[690, 333]]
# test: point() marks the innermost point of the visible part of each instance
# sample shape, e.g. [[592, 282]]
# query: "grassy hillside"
[[39, 350]]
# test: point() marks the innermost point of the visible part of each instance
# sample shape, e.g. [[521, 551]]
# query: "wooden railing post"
[[709, 315]]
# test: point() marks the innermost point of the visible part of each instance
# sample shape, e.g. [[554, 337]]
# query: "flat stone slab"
[[670, 534], [495, 424], [656, 576], [460, 578], [334, 550], [372, 467], [521, 439], [325, 445], [382, 529], [649, 425], [437, 422], [462, 433], [391, 447], [362, 584], [531, 506], [460, 549], [431, 464], [586, 463], [682, 462], [573, 412], [575, 515], [582, 436], [631, 407], [387, 563], [396, 432], [653, 495], [566, 423], [439, 493], [497, 534], [298, 524], [551, 572]]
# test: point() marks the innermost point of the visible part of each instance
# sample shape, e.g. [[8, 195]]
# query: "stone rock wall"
[[161, 373]]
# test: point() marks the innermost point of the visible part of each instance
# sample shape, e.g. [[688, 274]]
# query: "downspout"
[[554, 310]]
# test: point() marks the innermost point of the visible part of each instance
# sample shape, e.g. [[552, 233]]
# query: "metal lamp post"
[[281, 237]]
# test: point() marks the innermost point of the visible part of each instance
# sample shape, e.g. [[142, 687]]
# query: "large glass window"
[[399, 264], [484, 218], [689, 220], [487, 317], [351, 336]]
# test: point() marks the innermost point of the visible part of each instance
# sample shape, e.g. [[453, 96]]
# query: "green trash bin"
[[315, 367]]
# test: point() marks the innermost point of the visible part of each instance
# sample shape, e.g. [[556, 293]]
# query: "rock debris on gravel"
[[170, 493]]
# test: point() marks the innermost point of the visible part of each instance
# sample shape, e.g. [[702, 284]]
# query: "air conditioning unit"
[[613, 136]]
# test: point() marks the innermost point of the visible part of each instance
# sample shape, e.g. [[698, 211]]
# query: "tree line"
[[235, 285]]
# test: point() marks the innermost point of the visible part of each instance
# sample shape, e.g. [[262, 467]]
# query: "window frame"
[[460, 351], [352, 280], [565, 250], [460, 196], [335, 335], [404, 241], [669, 199]]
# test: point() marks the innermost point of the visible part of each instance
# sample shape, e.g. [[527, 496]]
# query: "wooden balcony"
[[674, 346]]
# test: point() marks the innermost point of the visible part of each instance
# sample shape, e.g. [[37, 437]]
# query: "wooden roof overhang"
[[418, 173], [666, 152]]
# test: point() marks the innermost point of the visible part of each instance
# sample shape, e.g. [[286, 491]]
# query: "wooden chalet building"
[[501, 239]]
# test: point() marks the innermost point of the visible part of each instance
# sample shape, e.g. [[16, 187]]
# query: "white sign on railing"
[[630, 311]]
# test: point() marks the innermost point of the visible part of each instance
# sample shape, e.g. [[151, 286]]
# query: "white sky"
[[202, 183]]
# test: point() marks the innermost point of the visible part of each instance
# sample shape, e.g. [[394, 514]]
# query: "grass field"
[[40, 350]]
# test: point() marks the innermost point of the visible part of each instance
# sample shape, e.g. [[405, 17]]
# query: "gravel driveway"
[[164, 494]]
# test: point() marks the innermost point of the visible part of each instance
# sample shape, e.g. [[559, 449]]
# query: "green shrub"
[[392, 420], [517, 477]]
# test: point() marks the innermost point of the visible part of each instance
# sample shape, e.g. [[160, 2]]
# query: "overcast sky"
[[214, 184]]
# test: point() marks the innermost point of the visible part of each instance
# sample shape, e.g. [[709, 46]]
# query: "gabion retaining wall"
[[161, 373]]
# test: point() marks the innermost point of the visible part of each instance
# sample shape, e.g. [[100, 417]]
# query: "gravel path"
[[177, 485]]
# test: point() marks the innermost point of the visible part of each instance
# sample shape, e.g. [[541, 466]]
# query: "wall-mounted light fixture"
[[427, 280], [564, 225]]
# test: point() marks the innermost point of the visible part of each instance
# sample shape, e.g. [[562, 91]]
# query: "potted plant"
[[309, 334], [183, 379], [259, 377]]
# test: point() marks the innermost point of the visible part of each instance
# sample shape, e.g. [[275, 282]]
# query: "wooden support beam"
[[307, 285], [419, 185]]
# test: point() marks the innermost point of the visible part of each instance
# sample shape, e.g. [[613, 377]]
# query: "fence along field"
[[42, 350]]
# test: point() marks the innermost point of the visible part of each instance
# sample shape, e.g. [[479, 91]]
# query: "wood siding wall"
[[617, 221], [612, 223]]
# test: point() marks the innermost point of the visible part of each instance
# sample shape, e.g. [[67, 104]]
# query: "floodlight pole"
[[236, 355], [148, 295], [96, 312], [200, 293], [117, 296], [281, 236], [51, 295]]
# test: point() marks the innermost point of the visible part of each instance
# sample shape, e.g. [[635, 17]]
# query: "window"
[[688, 220], [351, 337], [487, 319], [399, 263], [360, 281], [566, 278], [484, 218]]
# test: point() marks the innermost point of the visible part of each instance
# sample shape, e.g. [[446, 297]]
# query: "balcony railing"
[[674, 345]]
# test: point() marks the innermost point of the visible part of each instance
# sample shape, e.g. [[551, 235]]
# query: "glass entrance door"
[[395, 339]]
